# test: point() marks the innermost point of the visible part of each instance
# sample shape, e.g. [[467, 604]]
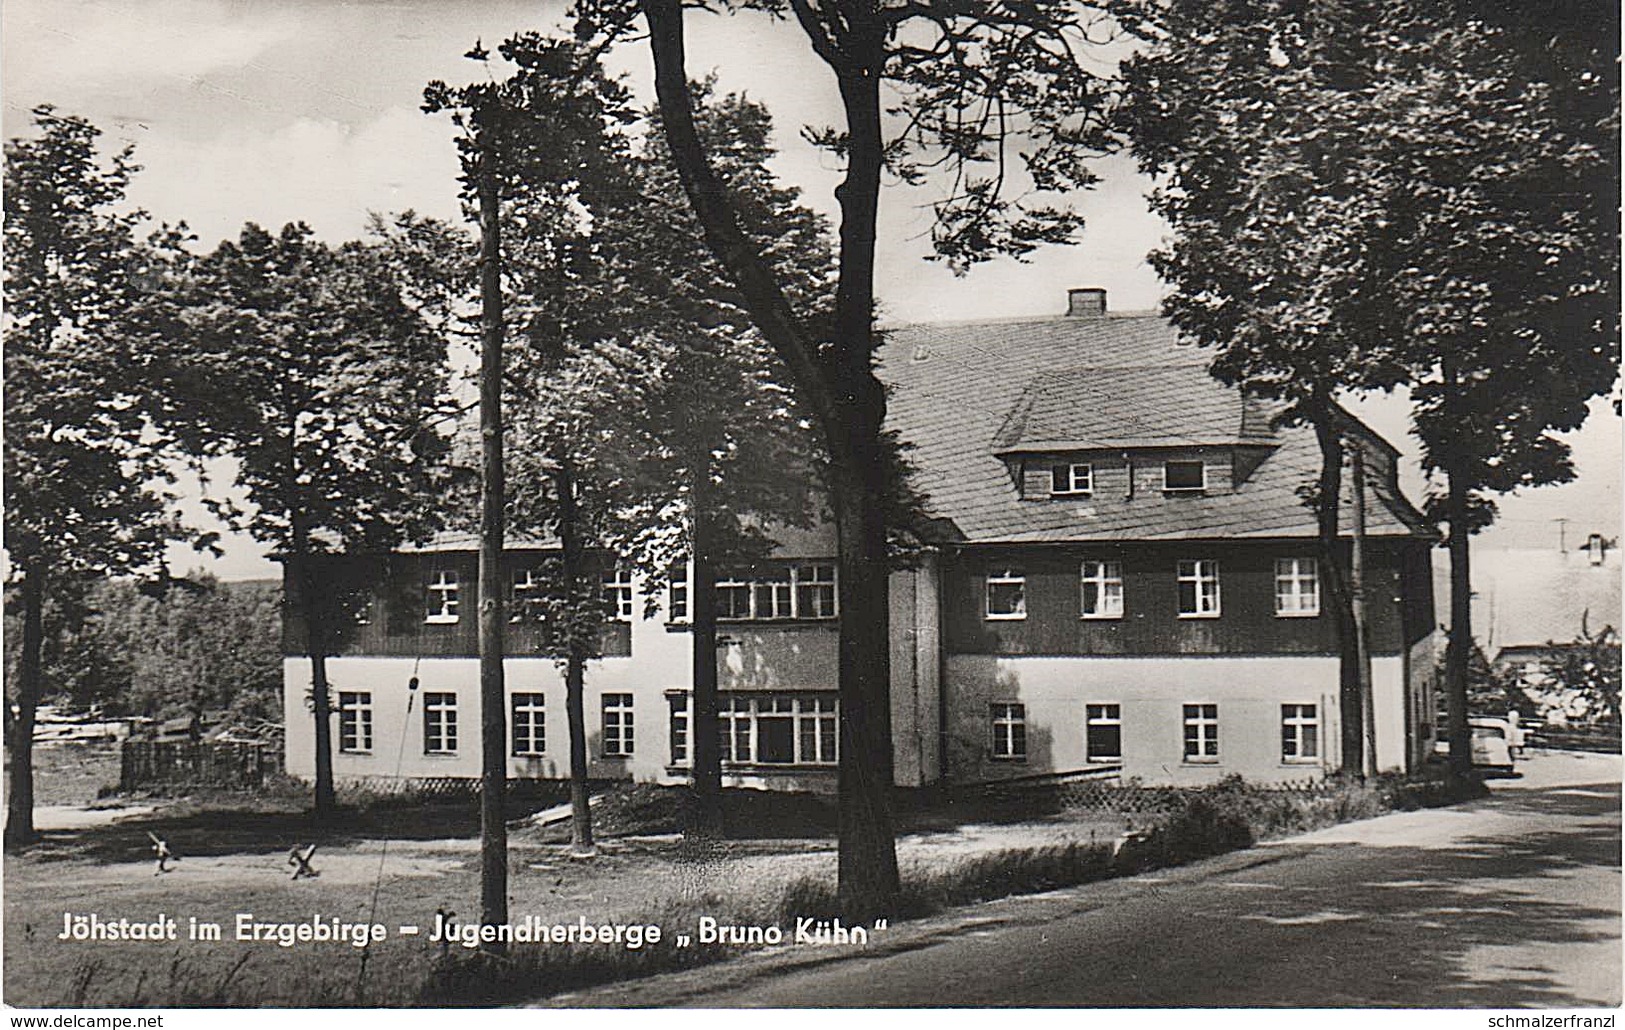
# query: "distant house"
[[1126, 582]]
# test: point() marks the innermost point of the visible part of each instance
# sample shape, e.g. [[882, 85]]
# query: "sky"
[[263, 111]]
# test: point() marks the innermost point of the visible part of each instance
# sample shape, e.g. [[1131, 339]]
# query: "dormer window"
[[1071, 480], [1184, 476]]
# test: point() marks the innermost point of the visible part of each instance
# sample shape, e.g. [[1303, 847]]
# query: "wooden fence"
[[239, 766]]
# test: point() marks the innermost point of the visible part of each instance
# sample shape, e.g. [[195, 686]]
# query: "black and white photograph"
[[812, 504]]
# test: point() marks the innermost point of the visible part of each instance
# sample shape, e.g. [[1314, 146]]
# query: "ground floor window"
[[1300, 733], [778, 729], [617, 728], [439, 724], [1103, 732], [679, 727], [529, 724], [1201, 733], [1009, 730], [355, 722]]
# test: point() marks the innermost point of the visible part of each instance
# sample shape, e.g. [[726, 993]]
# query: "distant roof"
[[962, 392]]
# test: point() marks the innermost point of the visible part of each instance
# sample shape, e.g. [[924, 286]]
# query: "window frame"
[[814, 720], [1004, 719], [680, 728], [535, 723], [1109, 572], [1196, 576], [1005, 575], [781, 593], [440, 722], [1072, 489], [1298, 722], [525, 590], [1196, 715], [1291, 571], [1168, 488], [1113, 719], [623, 705], [619, 593], [448, 584], [678, 591], [355, 720]]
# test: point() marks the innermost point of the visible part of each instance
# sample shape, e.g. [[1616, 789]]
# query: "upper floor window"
[[1297, 587], [1070, 479], [803, 591], [677, 593], [1006, 593], [1198, 589], [1102, 590], [1184, 476], [442, 595], [618, 596], [525, 600]]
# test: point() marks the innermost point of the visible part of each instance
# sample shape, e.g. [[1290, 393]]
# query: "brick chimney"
[[1087, 302]]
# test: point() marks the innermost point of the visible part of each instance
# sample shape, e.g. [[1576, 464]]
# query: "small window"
[[1184, 476], [1006, 594], [1009, 731], [677, 593], [355, 722], [529, 724], [1297, 587], [617, 735], [1103, 733], [439, 724], [1198, 589], [618, 598], [815, 591], [1300, 733], [774, 595], [442, 596], [680, 722], [526, 598], [1102, 590], [733, 598], [1201, 733], [1071, 480]]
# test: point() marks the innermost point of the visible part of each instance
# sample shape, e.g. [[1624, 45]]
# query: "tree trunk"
[[575, 661], [493, 619], [1362, 642], [30, 673], [1459, 650], [315, 613], [705, 814], [1329, 503]]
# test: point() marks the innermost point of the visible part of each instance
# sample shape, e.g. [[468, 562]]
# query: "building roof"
[[963, 393]]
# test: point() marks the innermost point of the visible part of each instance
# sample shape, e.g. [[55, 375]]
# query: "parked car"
[[1493, 740]]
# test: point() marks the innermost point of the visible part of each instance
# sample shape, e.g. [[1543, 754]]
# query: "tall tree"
[[995, 99], [327, 387], [1372, 194], [84, 463]]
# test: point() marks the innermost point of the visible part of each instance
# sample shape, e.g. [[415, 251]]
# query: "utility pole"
[[1362, 644], [492, 618]]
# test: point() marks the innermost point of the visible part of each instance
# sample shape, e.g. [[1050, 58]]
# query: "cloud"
[[65, 46]]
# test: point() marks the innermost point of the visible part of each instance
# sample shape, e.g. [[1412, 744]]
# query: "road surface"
[[1507, 902]]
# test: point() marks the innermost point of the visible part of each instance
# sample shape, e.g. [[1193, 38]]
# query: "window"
[[784, 592], [778, 729], [815, 591], [617, 726], [442, 595], [1009, 731], [1071, 479], [355, 722], [1184, 476], [439, 724], [618, 599], [1201, 733], [1300, 733], [680, 722], [526, 596], [1006, 594], [1198, 589], [1102, 590], [1103, 733], [529, 724], [1297, 587], [677, 593]]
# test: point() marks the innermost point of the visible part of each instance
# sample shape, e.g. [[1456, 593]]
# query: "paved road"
[[1510, 901]]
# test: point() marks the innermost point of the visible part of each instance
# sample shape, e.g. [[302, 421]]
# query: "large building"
[[1126, 580]]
